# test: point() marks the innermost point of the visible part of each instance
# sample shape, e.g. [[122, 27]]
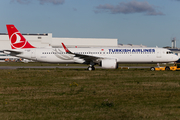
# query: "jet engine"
[[109, 63]]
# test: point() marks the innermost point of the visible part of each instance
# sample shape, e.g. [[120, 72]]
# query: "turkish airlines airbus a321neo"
[[107, 57]]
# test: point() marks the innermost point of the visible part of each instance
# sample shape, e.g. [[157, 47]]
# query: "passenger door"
[[33, 54], [158, 55]]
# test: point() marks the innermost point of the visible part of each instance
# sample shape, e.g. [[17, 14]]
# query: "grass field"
[[78, 94]]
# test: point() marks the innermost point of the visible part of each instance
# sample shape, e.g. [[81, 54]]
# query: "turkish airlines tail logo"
[[16, 38]]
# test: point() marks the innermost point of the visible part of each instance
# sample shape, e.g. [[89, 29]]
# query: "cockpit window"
[[169, 52]]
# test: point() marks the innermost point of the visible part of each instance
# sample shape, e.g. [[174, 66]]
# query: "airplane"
[[106, 57]]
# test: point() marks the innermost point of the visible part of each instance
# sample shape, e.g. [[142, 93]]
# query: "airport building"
[[173, 47], [45, 40]]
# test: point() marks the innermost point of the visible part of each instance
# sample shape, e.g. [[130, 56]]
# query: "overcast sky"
[[148, 22]]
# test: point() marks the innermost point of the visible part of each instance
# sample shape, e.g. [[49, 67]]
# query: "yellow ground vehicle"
[[173, 68]]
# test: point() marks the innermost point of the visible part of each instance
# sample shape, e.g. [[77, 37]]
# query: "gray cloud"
[[175, 0], [129, 8], [74, 9], [55, 2], [22, 1]]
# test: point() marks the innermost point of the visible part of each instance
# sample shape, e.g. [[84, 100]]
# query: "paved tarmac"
[[64, 67]]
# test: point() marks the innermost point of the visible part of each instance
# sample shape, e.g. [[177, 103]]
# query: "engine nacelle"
[[109, 63], [26, 60]]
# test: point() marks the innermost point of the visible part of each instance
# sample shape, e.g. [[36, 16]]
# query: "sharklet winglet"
[[65, 48]]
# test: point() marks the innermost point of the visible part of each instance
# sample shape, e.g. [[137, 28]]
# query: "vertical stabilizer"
[[16, 38]]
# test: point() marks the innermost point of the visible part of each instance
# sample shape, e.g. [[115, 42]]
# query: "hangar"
[[46, 39]]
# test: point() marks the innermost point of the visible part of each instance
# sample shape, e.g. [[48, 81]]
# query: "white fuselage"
[[122, 55]]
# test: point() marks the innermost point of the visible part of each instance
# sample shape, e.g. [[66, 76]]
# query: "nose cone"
[[175, 58]]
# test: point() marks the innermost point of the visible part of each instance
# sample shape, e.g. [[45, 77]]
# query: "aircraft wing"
[[87, 58], [12, 52]]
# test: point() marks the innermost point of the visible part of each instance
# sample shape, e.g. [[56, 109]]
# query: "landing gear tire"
[[90, 68], [152, 69], [167, 68]]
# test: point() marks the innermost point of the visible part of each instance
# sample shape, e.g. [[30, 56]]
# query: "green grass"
[[78, 94]]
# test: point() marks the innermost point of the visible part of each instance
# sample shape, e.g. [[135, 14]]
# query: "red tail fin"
[[16, 38]]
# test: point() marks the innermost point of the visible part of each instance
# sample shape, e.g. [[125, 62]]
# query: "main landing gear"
[[91, 67]]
